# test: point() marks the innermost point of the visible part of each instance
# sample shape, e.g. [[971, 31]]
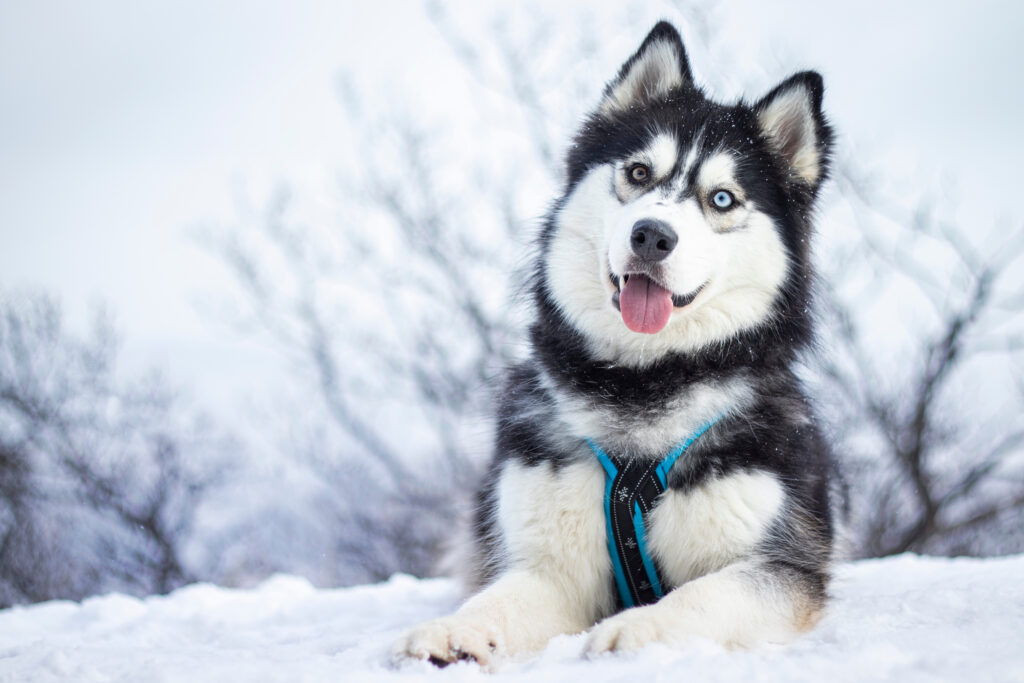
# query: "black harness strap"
[[633, 492], [632, 487]]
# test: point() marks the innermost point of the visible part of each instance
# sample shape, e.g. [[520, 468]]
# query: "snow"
[[907, 618]]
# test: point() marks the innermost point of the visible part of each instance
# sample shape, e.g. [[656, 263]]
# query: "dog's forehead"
[[686, 116], [697, 126], [673, 136], [680, 160]]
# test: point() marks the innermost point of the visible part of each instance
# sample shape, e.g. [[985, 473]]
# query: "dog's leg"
[[518, 613], [558, 579], [742, 605]]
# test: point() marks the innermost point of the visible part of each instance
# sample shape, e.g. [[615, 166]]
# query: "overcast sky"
[[124, 125]]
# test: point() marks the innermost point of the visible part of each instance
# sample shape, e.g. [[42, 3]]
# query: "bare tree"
[[402, 350], [99, 480], [391, 390], [932, 473]]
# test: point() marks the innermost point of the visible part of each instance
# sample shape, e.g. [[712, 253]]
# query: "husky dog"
[[659, 474]]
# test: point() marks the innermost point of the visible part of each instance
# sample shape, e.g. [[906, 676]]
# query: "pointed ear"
[[657, 67], [790, 117]]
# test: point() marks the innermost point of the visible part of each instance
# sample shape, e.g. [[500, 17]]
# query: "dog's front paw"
[[626, 632], [451, 639]]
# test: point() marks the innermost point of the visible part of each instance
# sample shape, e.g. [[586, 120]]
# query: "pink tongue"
[[646, 305]]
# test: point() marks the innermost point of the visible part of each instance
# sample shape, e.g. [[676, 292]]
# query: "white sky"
[[124, 125]]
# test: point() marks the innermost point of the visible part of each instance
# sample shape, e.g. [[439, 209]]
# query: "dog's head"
[[685, 221]]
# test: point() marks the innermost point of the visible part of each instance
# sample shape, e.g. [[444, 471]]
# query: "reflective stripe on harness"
[[631, 489]]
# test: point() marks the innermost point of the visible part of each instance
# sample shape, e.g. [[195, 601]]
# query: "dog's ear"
[[790, 117], [659, 66]]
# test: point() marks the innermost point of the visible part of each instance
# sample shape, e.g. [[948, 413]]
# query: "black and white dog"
[[658, 469]]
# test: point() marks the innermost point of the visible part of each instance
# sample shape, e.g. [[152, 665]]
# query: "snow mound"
[[903, 619]]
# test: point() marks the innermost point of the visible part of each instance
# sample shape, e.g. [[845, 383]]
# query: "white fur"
[[553, 525], [518, 613], [707, 528], [739, 605], [739, 256], [662, 153], [789, 123], [558, 568], [654, 434], [577, 261], [658, 71]]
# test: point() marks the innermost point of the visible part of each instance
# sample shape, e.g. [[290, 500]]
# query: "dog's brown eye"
[[639, 173]]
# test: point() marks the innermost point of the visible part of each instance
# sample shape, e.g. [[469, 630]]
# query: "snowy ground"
[[902, 619]]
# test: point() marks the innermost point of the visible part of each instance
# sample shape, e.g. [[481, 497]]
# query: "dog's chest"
[[554, 520]]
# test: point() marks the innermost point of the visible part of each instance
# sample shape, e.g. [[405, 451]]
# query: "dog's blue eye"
[[722, 199]]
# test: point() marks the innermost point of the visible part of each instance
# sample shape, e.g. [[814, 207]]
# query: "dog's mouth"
[[644, 303]]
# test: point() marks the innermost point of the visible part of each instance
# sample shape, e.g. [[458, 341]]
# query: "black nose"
[[653, 240]]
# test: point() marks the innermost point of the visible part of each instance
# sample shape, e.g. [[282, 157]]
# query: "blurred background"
[[259, 263]]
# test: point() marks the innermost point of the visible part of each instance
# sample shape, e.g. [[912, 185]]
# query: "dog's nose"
[[653, 240]]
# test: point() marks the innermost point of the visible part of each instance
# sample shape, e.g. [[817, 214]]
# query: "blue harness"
[[632, 488]]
